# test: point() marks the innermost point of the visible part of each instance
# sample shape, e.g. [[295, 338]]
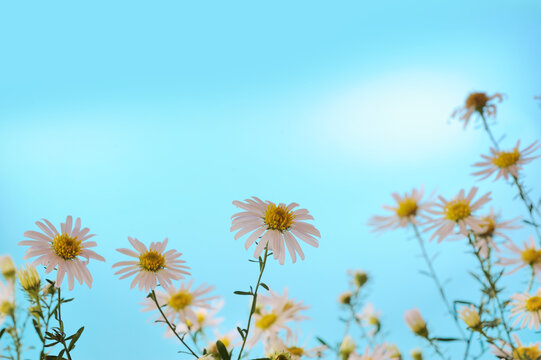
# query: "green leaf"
[[238, 292], [222, 350], [241, 332], [2, 332], [74, 338], [59, 357], [446, 339], [265, 286], [322, 342], [38, 329]]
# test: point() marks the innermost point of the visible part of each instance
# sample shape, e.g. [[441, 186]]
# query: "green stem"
[[153, 297], [529, 206], [487, 129], [61, 325], [436, 348], [437, 281], [254, 300]]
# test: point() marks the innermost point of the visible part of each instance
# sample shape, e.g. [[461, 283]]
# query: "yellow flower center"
[[488, 225], [151, 261], [266, 321], [180, 300], [531, 256], [294, 350], [225, 341], [505, 159], [67, 247], [278, 217], [407, 207], [533, 304], [527, 353], [477, 101], [6, 307], [200, 317], [457, 210]]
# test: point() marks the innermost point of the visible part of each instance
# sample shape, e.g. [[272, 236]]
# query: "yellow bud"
[[7, 267], [29, 279]]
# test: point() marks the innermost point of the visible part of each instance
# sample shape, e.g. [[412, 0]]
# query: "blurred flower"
[[506, 163], [152, 265], [490, 226], [7, 300], [7, 267], [458, 211], [345, 298], [416, 354], [206, 317], [276, 345], [394, 352], [416, 322], [406, 210], [518, 352], [380, 352], [371, 316], [228, 339], [470, 316], [269, 323], [181, 303], [530, 256], [478, 102], [527, 308], [359, 278], [62, 250], [274, 225], [347, 347], [29, 279], [283, 304]]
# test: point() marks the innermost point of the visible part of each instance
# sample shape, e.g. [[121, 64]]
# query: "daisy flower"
[[347, 347], [276, 345], [62, 250], [380, 352], [274, 225], [456, 212], [7, 300], [268, 323], [505, 163], [478, 102], [283, 304], [206, 317], [520, 352], [408, 207], [229, 340], [371, 316], [527, 308], [471, 317], [180, 305], [416, 322], [529, 255], [153, 264], [490, 227]]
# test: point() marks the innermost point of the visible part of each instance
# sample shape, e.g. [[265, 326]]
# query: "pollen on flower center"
[[180, 300], [407, 207], [225, 341], [527, 352], [533, 304], [151, 261], [477, 101], [266, 321], [67, 247], [457, 210], [278, 217], [531, 256], [294, 350], [505, 159]]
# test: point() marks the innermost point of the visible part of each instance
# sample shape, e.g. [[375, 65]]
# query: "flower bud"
[[471, 317], [29, 279], [416, 354], [416, 322], [345, 298], [7, 267]]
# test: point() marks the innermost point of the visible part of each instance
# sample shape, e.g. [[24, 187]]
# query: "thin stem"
[[61, 325], [153, 297], [436, 348], [532, 277], [493, 289], [254, 299], [529, 206], [15, 335], [437, 281], [487, 129]]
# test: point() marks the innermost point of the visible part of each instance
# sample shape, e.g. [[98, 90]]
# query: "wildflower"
[[471, 317], [29, 279], [491, 226], [283, 304], [459, 211], [416, 322], [62, 250], [7, 267], [7, 300], [206, 317], [181, 303], [518, 352], [153, 264], [370, 315], [527, 308], [345, 298], [416, 354], [347, 347], [406, 211], [269, 323], [359, 278], [478, 102], [276, 345], [505, 163], [394, 352], [274, 225], [529, 256], [380, 352], [228, 339]]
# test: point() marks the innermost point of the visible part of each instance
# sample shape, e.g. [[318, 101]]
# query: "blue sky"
[[148, 120]]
